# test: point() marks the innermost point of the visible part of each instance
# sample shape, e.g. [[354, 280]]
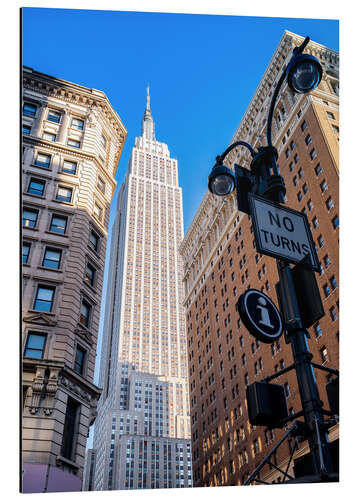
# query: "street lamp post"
[[303, 74]]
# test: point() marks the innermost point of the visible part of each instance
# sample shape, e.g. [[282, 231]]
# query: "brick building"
[[221, 262], [72, 141]]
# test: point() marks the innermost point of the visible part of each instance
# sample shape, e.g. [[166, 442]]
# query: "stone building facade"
[[144, 322], [71, 145], [221, 262]]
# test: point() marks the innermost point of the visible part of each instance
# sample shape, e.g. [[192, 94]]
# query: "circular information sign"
[[260, 316]]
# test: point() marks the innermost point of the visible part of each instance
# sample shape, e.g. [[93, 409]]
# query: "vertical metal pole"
[[309, 394]]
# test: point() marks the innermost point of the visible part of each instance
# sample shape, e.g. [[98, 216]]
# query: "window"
[[324, 354], [69, 430], [323, 186], [292, 145], [26, 129], [73, 143], [69, 167], [295, 181], [103, 141], [310, 205], [101, 185], [333, 283], [36, 187], [333, 313], [336, 129], [98, 211], [77, 123], [326, 290], [308, 139], [303, 125], [313, 153], [64, 194], [49, 137], [299, 196], [305, 188], [25, 252], [84, 317], [89, 274], [53, 116], [330, 115], [35, 345], [58, 224], [43, 160], [287, 153], [318, 330], [329, 203], [300, 173], [320, 241], [287, 390], [44, 298], [52, 258], [296, 158], [327, 261], [318, 169], [79, 360], [29, 109], [315, 222], [335, 222], [29, 217], [291, 166]]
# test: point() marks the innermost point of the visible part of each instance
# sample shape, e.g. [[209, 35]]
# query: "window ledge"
[[38, 196], [91, 287], [57, 234], [50, 269], [67, 203], [66, 461], [48, 169]]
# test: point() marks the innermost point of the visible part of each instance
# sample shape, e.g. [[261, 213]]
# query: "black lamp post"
[[303, 74]]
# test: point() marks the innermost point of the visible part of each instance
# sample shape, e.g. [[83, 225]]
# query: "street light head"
[[221, 180], [304, 73]]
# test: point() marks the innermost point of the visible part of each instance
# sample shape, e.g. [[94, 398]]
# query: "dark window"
[[64, 194], [303, 126], [300, 173], [323, 186], [84, 317], [44, 298], [296, 158], [291, 166], [36, 187], [35, 345], [29, 109], [299, 196], [324, 354], [52, 258], [333, 283], [69, 167], [69, 430], [310, 206], [292, 145], [313, 153], [318, 330], [77, 123], [58, 224], [305, 188], [320, 241], [326, 290], [330, 115], [329, 203], [53, 116], [25, 252], [79, 360], [43, 160], [103, 141], [333, 313], [318, 169], [335, 222], [29, 217], [26, 129], [315, 222], [327, 261], [89, 274], [308, 139], [98, 211]]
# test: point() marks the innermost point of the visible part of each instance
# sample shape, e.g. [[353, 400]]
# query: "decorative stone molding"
[[51, 390], [84, 334], [37, 387], [74, 388], [40, 319]]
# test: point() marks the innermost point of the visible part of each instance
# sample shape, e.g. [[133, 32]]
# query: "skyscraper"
[[144, 341], [221, 262]]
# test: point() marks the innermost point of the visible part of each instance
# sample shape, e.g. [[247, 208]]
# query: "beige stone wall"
[[50, 378]]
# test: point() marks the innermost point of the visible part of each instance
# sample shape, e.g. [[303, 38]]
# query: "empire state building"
[[144, 411]]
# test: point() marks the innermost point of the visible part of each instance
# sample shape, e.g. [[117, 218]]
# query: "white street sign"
[[282, 232]]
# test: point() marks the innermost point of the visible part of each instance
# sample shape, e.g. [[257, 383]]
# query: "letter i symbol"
[[264, 313]]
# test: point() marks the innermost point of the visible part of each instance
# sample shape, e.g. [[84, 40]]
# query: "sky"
[[202, 70]]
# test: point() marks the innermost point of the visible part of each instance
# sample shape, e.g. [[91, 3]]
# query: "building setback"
[[71, 146], [221, 262], [144, 324]]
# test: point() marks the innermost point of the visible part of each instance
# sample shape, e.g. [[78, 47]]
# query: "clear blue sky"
[[202, 70]]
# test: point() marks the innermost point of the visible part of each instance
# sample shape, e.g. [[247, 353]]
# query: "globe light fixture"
[[221, 180], [304, 73]]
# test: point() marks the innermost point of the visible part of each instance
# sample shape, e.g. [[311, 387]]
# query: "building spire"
[[147, 123]]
